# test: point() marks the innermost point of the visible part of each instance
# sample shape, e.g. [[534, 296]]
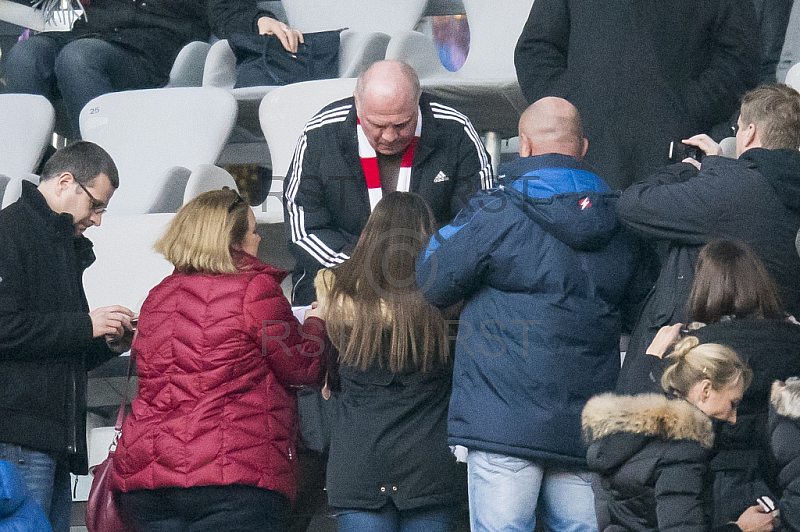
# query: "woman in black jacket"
[[734, 302], [652, 450], [784, 438], [389, 468]]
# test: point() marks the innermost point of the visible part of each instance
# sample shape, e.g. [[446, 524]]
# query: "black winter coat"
[[754, 199], [155, 29], [46, 344], [651, 452], [740, 463], [227, 17], [784, 438], [389, 437], [641, 73]]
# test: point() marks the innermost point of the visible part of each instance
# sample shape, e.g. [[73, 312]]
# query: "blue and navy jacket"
[[543, 267]]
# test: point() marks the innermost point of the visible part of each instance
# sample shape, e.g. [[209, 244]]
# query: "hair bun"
[[682, 347]]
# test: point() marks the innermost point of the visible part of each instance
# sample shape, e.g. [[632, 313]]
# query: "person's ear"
[[64, 182], [584, 147], [705, 389], [752, 139], [525, 145]]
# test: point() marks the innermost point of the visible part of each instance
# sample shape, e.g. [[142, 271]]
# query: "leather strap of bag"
[[124, 402]]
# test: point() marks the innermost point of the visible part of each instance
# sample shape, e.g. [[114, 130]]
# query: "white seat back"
[[283, 115], [26, 127], [493, 34], [11, 188], [147, 132], [387, 16], [127, 266], [793, 77]]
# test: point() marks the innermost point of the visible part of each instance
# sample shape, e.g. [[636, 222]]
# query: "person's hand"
[[111, 321], [314, 312], [289, 38], [666, 336], [755, 519], [705, 143]]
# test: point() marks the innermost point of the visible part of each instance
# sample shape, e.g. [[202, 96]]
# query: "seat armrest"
[[220, 66]]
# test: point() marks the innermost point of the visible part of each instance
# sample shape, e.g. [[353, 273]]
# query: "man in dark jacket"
[[641, 73], [118, 45], [388, 136], [543, 268], [754, 199], [48, 337]]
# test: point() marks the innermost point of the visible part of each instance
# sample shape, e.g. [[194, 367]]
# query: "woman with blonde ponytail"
[[652, 450]]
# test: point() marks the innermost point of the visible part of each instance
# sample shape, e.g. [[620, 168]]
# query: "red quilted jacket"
[[217, 357]]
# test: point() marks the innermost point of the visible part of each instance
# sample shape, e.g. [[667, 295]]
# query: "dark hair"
[[84, 160], [775, 110], [730, 280], [379, 282]]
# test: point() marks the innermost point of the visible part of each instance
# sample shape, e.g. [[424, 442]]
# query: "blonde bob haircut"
[[691, 362], [200, 237]]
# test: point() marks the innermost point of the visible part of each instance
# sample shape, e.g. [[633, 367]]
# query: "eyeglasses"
[[238, 200], [98, 207]]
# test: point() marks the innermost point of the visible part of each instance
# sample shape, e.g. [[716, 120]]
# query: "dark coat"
[[389, 437], [543, 267], [651, 453], [217, 357], [155, 29], [754, 199], [227, 17], [740, 464], [46, 344], [325, 194], [641, 73], [784, 438]]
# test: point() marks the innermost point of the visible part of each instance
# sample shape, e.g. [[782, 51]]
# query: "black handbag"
[[262, 59]]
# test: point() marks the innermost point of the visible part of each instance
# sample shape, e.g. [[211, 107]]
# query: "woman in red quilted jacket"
[[209, 444]]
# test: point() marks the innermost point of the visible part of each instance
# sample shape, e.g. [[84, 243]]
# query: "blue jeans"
[[75, 70], [47, 479], [390, 519], [504, 492]]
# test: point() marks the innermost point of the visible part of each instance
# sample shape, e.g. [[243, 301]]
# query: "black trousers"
[[233, 508]]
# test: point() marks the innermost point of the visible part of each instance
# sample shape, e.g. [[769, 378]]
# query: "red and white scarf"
[[369, 163]]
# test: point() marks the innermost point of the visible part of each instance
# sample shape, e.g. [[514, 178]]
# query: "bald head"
[[387, 103], [551, 125]]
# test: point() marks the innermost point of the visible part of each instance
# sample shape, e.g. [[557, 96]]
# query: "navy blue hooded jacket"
[[543, 267]]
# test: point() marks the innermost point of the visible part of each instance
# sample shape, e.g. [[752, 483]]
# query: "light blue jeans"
[[47, 480], [504, 492]]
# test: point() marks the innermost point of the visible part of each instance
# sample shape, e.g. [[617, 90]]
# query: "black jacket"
[[641, 73], [46, 344], [784, 438], [227, 17], [754, 199], [155, 29], [740, 463], [651, 453], [389, 437], [325, 193]]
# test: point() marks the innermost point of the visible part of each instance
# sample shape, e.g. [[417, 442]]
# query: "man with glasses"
[[49, 338]]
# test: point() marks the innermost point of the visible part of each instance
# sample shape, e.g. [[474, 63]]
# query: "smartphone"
[[678, 151]]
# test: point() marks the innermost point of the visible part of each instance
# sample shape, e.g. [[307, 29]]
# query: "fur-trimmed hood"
[[650, 415], [785, 397]]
